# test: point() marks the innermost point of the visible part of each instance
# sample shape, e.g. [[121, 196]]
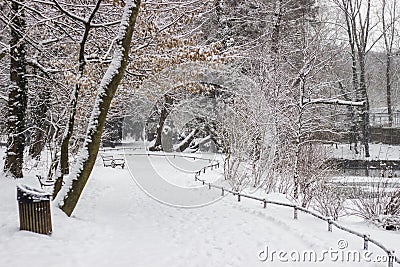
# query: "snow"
[[118, 224], [333, 102], [33, 193], [377, 151]]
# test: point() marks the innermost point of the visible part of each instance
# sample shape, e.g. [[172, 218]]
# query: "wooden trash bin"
[[34, 210]]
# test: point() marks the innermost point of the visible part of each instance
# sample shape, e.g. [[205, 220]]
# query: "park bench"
[[44, 182], [110, 161]]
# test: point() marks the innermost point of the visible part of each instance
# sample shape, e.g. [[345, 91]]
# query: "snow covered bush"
[[388, 222], [378, 202], [329, 200], [313, 170]]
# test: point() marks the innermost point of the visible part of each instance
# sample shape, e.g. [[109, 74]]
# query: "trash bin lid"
[[27, 194]]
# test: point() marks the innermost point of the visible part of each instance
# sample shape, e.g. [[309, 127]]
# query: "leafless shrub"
[[329, 200], [379, 202]]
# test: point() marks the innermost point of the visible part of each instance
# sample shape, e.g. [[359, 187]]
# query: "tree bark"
[[276, 29], [389, 89], [17, 99], [365, 109], [388, 32], [106, 92], [168, 102]]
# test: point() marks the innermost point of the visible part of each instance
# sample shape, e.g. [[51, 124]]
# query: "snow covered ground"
[[116, 223]]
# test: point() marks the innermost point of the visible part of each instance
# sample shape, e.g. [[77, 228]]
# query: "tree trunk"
[[38, 138], [389, 89], [185, 143], [69, 129], [276, 29], [17, 99], [64, 163], [106, 92], [351, 114], [388, 32], [365, 109], [168, 102]]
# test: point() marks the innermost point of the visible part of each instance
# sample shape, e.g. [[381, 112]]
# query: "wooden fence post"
[[329, 224], [366, 238], [390, 258], [295, 215]]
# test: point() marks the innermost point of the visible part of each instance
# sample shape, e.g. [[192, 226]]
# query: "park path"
[[116, 223]]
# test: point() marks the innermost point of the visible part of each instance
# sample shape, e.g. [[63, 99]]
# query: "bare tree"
[[72, 109], [389, 19], [106, 92], [357, 14]]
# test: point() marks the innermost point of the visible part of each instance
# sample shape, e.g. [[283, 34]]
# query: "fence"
[[330, 222]]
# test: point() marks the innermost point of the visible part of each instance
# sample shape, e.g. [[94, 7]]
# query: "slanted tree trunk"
[[106, 92], [17, 99], [64, 150], [64, 164], [186, 142]]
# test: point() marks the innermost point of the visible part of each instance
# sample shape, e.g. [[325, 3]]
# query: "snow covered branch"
[[43, 69], [69, 14], [3, 97], [334, 102]]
